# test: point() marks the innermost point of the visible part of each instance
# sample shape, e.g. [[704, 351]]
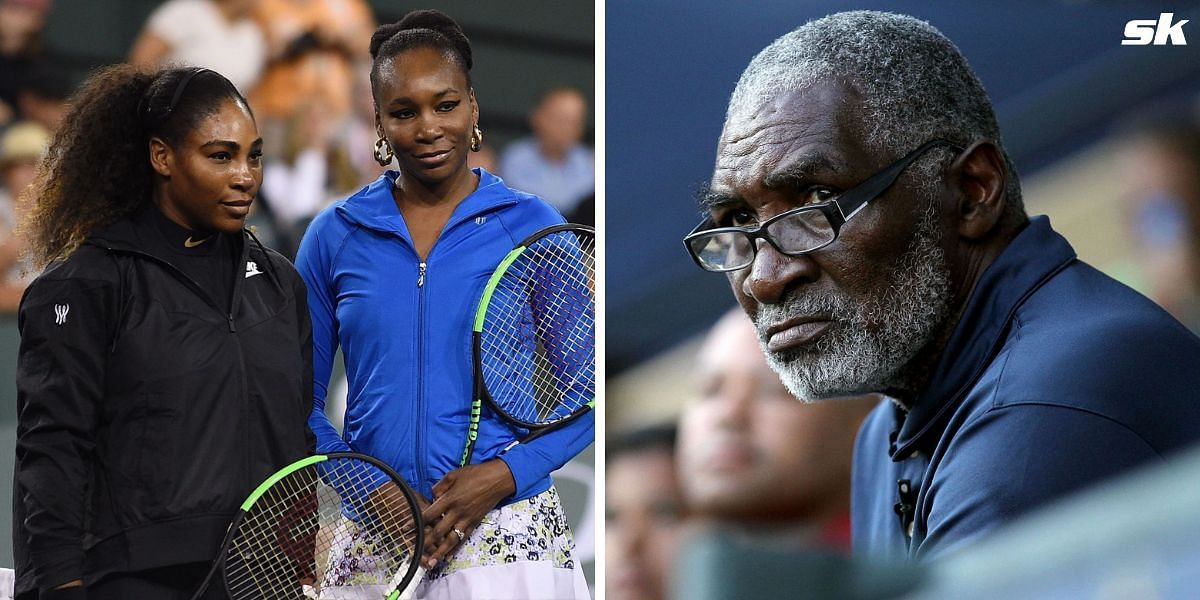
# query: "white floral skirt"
[[521, 551]]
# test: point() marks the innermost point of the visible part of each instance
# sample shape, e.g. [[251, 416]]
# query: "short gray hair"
[[914, 83]]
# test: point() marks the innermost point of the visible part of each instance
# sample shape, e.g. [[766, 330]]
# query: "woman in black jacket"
[[165, 360]]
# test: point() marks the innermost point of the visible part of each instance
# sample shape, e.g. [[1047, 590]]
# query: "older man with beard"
[[871, 224]]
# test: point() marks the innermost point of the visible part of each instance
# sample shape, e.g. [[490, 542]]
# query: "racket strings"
[[537, 346], [296, 534]]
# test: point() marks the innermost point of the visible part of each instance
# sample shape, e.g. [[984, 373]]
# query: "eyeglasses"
[[797, 231]]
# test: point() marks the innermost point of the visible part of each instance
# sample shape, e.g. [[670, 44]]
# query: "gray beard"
[[872, 340]]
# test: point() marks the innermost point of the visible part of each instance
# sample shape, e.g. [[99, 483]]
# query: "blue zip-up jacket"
[[1056, 377], [404, 327]]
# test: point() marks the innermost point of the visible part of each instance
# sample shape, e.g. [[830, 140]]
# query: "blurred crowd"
[[303, 64], [745, 465]]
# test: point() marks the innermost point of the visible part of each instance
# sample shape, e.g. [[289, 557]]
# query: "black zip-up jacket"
[[146, 414]]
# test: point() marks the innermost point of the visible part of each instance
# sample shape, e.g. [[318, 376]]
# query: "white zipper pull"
[[421, 275]]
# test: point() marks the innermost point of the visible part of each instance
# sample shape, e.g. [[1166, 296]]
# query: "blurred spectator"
[[554, 163], [21, 46], [754, 459], [21, 147], [43, 99], [310, 172], [643, 513], [358, 136], [1162, 176], [221, 35], [312, 46]]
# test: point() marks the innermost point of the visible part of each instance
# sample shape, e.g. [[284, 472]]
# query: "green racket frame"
[[480, 392], [219, 563]]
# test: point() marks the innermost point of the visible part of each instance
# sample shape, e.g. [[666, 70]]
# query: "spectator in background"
[[21, 47], [314, 47], [358, 136], [643, 513], [754, 459], [554, 163], [221, 35], [310, 173], [1162, 181], [21, 147], [43, 99]]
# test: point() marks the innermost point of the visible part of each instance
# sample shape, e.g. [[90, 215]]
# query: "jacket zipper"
[[423, 417], [422, 273]]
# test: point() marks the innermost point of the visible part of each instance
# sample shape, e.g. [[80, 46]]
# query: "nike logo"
[[188, 243], [252, 269]]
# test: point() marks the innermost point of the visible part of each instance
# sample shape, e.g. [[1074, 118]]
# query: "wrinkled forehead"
[[819, 122]]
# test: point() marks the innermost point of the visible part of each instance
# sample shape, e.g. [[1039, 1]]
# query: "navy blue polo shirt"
[[1056, 377]]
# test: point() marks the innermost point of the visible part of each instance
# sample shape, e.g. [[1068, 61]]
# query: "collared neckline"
[[149, 231], [1035, 255], [375, 208]]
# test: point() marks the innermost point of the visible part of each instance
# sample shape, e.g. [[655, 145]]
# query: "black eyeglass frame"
[[837, 211]]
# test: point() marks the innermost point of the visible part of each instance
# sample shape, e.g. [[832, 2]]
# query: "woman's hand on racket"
[[388, 502], [460, 501]]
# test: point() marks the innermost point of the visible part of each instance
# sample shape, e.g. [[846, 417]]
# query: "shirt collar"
[[374, 206], [1032, 258]]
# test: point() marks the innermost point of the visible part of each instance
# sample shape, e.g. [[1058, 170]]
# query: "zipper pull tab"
[[421, 275]]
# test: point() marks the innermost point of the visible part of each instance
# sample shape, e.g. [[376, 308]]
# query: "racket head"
[[296, 533], [534, 339]]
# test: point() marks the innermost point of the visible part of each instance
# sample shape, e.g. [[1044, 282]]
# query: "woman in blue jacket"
[[394, 274]]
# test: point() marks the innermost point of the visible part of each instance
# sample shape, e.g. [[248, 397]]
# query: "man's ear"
[[980, 175], [162, 158]]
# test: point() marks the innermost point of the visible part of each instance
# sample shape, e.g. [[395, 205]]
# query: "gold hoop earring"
[[383, 152], [476, 138]]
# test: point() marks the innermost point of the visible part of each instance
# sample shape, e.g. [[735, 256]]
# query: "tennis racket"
[[534, 335], [333, 526]]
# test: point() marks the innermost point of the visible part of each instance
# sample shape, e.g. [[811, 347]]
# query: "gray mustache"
[[838, 308]]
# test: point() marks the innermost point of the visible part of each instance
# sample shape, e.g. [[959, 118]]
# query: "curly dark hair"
[[420, 29], [97, 169]]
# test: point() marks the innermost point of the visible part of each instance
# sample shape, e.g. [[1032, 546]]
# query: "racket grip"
[[410, 591]]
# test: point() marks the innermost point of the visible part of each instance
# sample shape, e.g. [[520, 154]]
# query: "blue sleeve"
[[532, 462], [313, 262], [1017, 458]]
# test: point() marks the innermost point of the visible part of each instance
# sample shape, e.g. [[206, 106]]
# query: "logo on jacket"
[[480, 220], [60, 313], [252, 269], [189, 243]]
